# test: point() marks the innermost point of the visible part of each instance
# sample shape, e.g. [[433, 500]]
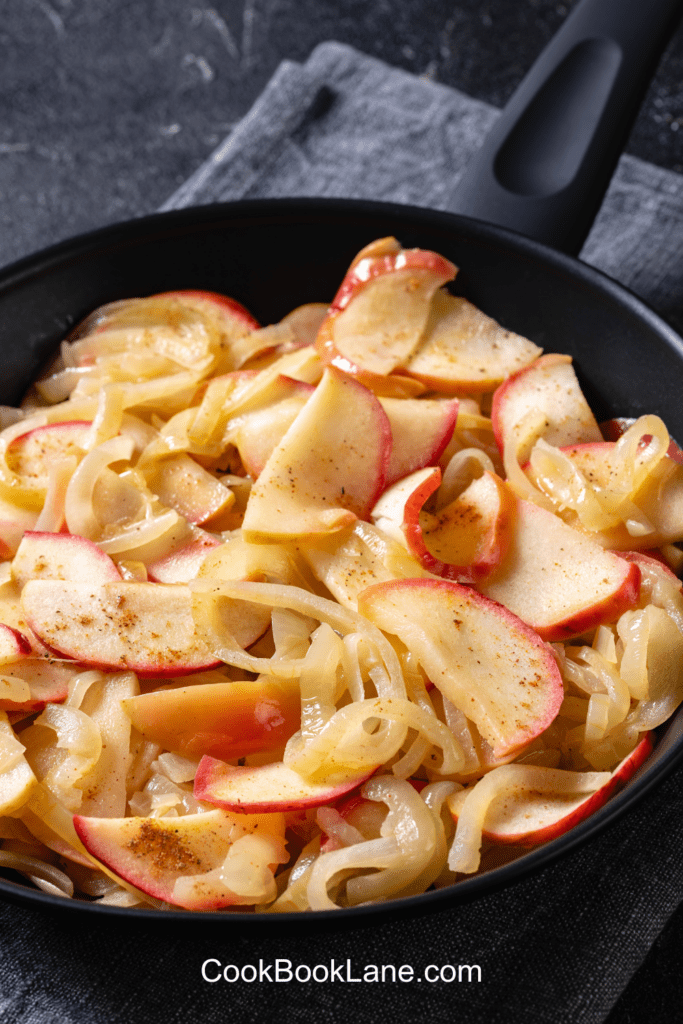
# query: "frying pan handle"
[[545, 166]]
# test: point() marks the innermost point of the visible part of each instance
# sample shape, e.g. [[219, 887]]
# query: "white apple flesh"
[[266, 788], [61, 556], [153, 853], [463, 350], [485, 660], [328, 469], [143, 627], [559, 581], [526, 817]]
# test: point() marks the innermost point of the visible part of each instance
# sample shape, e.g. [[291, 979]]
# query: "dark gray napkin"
[[557, 947]]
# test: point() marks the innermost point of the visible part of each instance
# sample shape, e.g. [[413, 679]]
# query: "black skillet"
[[541, 173]]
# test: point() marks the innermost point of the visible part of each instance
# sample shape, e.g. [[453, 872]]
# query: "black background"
[[108, 105]]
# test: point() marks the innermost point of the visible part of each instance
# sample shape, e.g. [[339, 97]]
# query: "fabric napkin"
[[558, 946]]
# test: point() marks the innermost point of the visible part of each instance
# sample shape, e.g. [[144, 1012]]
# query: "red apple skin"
[[432, 448], [651, 558], [590, 805], [231, 308], [182, 565], [13, 644], [366, 268], [47, 549], [48, 683], [224, 720], [608, 610], [212, 774]]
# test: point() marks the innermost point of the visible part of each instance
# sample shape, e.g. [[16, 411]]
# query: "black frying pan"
[[533, 176]]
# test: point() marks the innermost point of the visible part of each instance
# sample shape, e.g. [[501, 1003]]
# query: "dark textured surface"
[[107, 106]]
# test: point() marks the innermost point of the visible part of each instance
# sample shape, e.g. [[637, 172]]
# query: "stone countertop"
[[107, 106]]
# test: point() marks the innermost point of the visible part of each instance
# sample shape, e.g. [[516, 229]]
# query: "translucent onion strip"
[[80, 515]]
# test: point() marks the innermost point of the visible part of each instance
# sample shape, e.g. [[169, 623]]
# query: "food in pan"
[[323, 613]]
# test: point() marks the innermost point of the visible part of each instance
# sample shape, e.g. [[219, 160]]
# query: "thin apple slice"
[[13, 645], [256, 434], [14, 522], [380, 311], [421, 429], [466, 540], [28, 685], [61, 556], [266, 788], [182, 484], [144, 627], [29, 455], [550, 388], [154, 853], [225, 720], [183, 563], [16, 777], [558, 580], [485, 660], [529, 816], [462, 349], [328, 469]]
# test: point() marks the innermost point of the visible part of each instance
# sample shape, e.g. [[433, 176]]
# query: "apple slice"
[[226, 720], [143, 627], [183, 563], [462, 349], [14, 522], [328, 469], [485, 660], [527, 817], [153, 853], [466, 540], [421, 429], [28, 685], [13, 645], [61, 556], [182, 484], [380, 311], [266, 788], [30, 455], [550, 387], [16, 777], [558, 580], [257, 433]]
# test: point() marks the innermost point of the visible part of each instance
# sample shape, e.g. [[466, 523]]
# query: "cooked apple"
[[61, 556], [266, 788], [182, 484], [233, 314], [257, 433], [558, 580], [236, 559], [420, 429], [30, 683], [462, 349], [14, 522], [380, 311], [30, 454], [226, 720], [328, 469], [13, 645], [485, 660], [16, 778], [184, 562], [153, 853], [466, 540], [550, 387], [145, 627], [527, 817]]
